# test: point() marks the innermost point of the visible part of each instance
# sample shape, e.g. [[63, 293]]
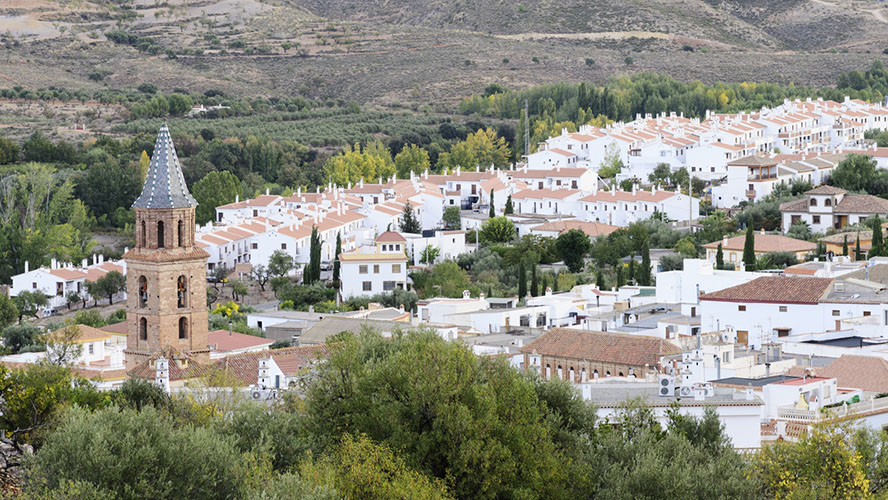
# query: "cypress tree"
[[876, 249], [845, 246], [599, 279], [644, 274], [534, 282], [336, 257], [620, 277], [313, 270], [631, 276], [749, 247], [719, 258], [492, 210], [522, 281], [509, 208], [858, 255]]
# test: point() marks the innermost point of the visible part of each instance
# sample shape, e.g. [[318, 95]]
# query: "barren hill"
[[427, 52]]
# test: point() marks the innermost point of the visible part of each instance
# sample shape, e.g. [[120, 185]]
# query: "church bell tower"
[[166, 308]]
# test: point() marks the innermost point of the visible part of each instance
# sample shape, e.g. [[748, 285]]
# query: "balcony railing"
[[793, 413], [750, 193]]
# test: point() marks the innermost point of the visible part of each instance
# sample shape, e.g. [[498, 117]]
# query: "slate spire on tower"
[[164, 185]]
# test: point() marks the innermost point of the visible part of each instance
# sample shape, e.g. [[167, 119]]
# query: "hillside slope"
[[426, 52]]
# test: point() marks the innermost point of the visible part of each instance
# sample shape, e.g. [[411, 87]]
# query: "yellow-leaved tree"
[[480, 150], [823, 464], [353, 164]]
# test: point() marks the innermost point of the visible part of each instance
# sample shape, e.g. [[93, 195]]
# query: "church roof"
[[164, 185]]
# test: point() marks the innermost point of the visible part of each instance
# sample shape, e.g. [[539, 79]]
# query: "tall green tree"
[[213, 190], [409, 222], [845, 246], [497, 230], [336, 257], [631, 275], [451, 218], [855, 173], [480, 426], [644, 272], [621, 280], [492, 212], [749, 247], [110, 284], [858, 254], [522, 281], [412, 158], [40, 219], [572, 247], [280, 263], [534, 282], [28, 303], [719, 257], [313, 271], [877, 246], [599, 280], [8, 311], [186, 461], [510, 209], [372, 162]]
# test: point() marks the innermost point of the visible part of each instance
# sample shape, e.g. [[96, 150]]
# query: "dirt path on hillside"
[[615, 35]]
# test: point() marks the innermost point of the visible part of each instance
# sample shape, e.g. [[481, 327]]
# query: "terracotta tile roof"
[[539, 194], [782, 289], [800, 205], [765, 243], [390, 236], [862, 204], [865, 236], [635, 350], [291, 361], [561, 152], [614, 196], [542, 174], [67, 274], [225, 342], [754, 161], [119, 328], [824, 189], [867, 373]]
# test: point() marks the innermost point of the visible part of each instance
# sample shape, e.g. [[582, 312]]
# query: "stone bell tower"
[[166, 308]]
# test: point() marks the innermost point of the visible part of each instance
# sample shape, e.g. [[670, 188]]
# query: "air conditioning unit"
[[667, 386], [686, 391], [709, 390]]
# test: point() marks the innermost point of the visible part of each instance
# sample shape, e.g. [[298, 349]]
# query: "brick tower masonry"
[[166, 308]]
